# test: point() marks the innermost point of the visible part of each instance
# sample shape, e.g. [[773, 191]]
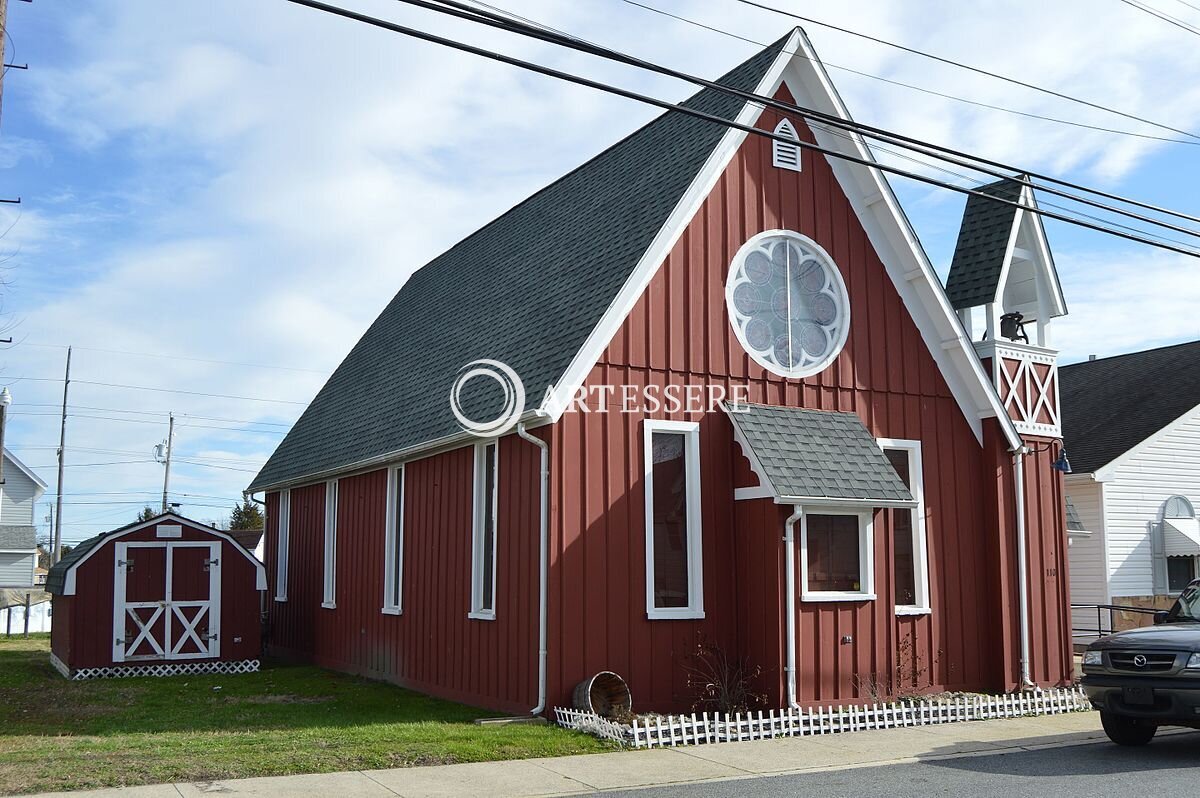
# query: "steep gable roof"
[[1111, 405], [526, 289], [982, 245]]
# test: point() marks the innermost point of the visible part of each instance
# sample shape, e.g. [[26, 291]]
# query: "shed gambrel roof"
[[526, 289], [816, 456], [59, 579], [1112, 404], [982, 244]]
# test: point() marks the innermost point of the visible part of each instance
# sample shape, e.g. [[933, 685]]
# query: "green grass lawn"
[[60, 735]]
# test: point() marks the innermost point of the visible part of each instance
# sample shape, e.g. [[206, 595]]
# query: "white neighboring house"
[[19, 495], [1131, 427]]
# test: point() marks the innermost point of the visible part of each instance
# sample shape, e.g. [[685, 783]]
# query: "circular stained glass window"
[[787, 303]]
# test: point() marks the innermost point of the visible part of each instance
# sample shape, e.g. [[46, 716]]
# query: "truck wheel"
[[1127, 731]]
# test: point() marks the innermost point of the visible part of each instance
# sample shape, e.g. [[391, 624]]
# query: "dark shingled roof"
[[526, 289], [56, 579], [982, 242], [817, 454], [1113, 404]]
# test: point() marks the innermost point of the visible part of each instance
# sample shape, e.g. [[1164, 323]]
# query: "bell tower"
[[1004, 287]]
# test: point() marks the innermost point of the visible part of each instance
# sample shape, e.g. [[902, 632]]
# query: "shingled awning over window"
[[817, 457]]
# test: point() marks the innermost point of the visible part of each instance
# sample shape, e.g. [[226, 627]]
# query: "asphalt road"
[[1169, 766]]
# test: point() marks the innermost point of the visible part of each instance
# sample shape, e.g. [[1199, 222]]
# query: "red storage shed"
[[156, 598]]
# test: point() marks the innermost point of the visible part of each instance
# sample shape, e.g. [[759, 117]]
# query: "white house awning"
[[1182, 536]]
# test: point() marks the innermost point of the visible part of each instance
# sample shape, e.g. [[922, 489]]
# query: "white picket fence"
[[694, 729]]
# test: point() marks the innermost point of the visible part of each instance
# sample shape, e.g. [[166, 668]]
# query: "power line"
[[1165, 17], [727, 123], [922, 89], [165, 390], [544, 33], [161, 413], [172, 357], [968, 67]]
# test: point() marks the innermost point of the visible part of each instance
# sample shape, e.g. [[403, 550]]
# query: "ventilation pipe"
[[789, 586], [543, 561], [1022, 562]]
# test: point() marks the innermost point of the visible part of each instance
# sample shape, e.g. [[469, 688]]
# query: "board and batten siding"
[[432, 646], [1166, 465], [1088, 563]]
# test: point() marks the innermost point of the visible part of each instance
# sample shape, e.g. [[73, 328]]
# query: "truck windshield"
[[1187, 607]]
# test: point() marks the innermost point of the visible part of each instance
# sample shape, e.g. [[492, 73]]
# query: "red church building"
[[871, 507]]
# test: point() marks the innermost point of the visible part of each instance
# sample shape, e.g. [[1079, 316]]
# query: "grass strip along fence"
[[670, 730]]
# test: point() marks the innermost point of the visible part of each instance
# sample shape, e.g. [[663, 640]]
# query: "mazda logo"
[[1139, 660]]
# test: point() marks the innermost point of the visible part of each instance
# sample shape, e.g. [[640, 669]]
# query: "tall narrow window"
[[282, 544], [910, 566], [674, 581], [783, 154], [331, 506], [483, 548], [393, 554]]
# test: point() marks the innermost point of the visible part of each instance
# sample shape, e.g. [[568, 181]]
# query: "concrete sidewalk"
[[573, 775]]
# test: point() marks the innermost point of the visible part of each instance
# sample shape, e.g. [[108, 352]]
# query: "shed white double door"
[[166, 600]]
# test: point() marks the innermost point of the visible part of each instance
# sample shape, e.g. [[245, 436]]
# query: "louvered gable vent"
[[784, 155]]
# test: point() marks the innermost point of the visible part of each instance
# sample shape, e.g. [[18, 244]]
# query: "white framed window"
[[784, 155], [674, 566], [787, 303], [483, 537], [329, 600], [393, 546], [910, 558], [837, 554], [281, 548]]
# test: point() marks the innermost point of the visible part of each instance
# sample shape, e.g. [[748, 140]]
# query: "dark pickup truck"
[[1141, 679]]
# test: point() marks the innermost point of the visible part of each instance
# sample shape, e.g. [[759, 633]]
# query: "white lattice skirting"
[[671, 730], [159, 669]]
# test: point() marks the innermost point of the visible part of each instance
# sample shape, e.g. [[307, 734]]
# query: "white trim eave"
[[1109, 470], [24, 469], [900, 251], [532, 419], [260, 570], [560, 396], [881, 216], [831, 501], [1045, 256]]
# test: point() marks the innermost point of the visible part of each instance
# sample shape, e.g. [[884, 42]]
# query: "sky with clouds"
[[219, 196]]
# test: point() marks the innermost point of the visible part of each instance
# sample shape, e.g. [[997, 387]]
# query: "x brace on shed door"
[[166, 601]]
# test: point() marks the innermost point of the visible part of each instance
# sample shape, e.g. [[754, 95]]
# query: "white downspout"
[[789, 586], [543, 562], [1022, 560]]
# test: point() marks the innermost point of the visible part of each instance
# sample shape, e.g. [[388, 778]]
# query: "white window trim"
[[691, 452], [329, 600], [478, 513], [283, 545], [393, 576], [916, 476], [794, 162], [866, 555]]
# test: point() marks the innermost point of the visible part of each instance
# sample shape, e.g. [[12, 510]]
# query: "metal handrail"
[[1100, 630]]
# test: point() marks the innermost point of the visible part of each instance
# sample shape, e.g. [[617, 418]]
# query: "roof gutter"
[[1022, 562], [543, 561], [789, 588]]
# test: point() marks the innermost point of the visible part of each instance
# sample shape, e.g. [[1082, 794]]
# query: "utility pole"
[[167, 463], [62, 456]]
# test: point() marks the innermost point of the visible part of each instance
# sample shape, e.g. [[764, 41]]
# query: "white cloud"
[[256, 181]]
